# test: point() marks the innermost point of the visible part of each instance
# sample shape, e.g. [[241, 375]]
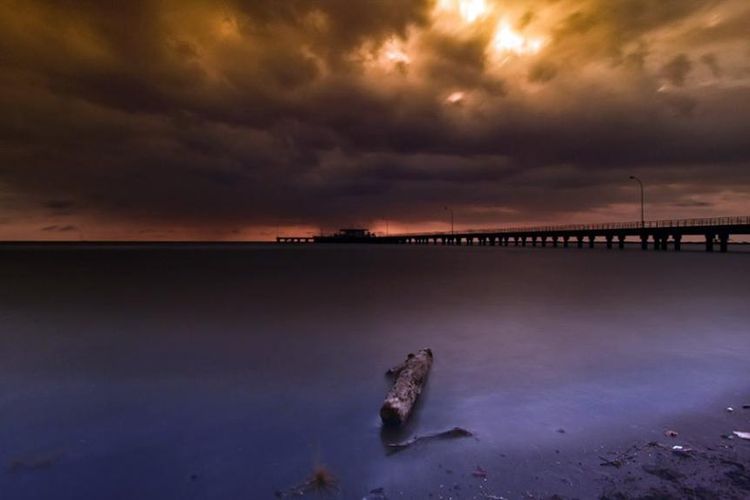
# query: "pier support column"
[[580, 241], [609, 238], [644, 242], [723, 242], [621, 241], [591, 241], [533, 241], [709, 243], [657, 245], [565, 241], [523, 241], [554, 241], [664, 242], [544, 241], [677, 242]]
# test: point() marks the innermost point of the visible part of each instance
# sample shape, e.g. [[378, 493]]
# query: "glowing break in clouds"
[[170, 119], [508, 40], [465, 15]]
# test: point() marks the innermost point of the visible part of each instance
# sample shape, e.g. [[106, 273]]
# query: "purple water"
[[230, 371]]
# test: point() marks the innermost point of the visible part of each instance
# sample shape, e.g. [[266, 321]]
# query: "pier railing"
[[653, 224]]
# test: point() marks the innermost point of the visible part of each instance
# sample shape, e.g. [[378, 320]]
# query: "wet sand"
[[707, 461]]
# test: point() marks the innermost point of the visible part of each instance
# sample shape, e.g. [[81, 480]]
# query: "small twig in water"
[[456, 432]]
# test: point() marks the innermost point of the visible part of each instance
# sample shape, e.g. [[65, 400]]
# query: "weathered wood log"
[[411, 377]]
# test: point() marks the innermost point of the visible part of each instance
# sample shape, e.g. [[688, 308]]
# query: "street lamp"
[[640, 183], [451, 211]]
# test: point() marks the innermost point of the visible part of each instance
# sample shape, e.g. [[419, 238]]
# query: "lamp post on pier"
[[451, 211], [640, 183]]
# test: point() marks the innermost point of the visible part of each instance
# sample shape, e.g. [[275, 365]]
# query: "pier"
[[295, 239], [657, 235]]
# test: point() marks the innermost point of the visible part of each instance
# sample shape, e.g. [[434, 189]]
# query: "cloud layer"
[[173, 119]]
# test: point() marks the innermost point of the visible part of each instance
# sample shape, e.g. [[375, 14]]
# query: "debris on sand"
[[623, 458], [321, 480], [456, 432], [671, 433], [617, 463], [376, 494], [479, 473], [681, 451], [663, 472]]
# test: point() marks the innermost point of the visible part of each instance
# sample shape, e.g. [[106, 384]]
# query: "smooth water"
[[229, 372]]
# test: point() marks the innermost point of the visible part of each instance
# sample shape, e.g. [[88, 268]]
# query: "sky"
[[184, 119]]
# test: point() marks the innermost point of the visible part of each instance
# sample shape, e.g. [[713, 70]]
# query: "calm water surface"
[[228, 372]]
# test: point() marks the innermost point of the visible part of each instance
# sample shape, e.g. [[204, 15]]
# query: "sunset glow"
[[469, 11], [455, 97], [508, 40], [326, 114]]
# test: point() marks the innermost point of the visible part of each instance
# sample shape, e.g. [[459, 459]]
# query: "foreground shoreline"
[[644, 471], [707, 461]]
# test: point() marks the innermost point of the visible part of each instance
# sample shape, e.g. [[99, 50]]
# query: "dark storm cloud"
[[218, 115], [677, 70]]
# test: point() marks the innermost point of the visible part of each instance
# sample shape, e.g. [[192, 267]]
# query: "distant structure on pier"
[[347, 236]]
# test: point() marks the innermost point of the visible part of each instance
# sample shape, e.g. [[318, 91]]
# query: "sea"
[[228, 371]]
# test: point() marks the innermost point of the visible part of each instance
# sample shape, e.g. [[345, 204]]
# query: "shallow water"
[[229, 371]]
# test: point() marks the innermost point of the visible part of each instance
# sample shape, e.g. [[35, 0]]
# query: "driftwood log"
[[410, 378]]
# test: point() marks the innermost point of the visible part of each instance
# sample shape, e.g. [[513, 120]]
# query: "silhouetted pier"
[[294, 239], [659, 235]]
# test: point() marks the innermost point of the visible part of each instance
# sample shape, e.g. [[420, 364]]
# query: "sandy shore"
[[706, 461]]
